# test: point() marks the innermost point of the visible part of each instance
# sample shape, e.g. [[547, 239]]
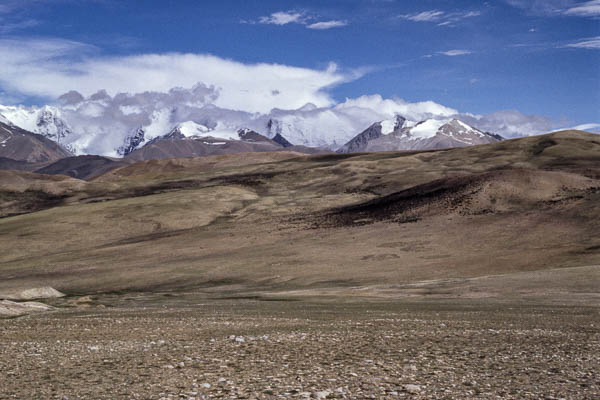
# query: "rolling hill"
[[291, 223]]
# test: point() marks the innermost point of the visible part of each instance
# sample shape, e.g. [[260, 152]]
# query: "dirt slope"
[[21, 145]]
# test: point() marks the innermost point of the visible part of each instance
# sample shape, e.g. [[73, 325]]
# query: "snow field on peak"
[[428, 128], [21, 117], [190, 128]]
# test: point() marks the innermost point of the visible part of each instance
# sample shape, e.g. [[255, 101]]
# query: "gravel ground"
[[174, 348]]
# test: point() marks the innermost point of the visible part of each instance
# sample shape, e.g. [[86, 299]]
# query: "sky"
[[540, 58]]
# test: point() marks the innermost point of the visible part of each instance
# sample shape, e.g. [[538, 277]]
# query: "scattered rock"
[[412, 389]]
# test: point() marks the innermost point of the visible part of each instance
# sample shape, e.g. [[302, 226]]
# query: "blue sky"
[[537, 57]]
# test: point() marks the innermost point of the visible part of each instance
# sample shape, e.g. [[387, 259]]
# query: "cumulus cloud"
[[48, 68], [442, 18], [283, 18], [327, 24], [389, 107], [298, 17], [454, 53], [591, 43]]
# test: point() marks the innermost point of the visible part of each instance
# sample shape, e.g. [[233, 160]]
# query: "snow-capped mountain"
[[46, 121], [190, 139], [430, 134], [193, 131]]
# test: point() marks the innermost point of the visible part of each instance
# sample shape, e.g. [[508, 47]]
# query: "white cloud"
[[454, 53], [298, 17], [511, 123], [49, 68], [591, 43], [587, 127], [442, 18], [542, 7], [327, 24], [590, 8], [282, 18], [389, 107], [425, 16], [587, 9]]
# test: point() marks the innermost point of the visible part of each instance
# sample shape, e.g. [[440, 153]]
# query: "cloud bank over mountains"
[[114, 96], [101, 123]]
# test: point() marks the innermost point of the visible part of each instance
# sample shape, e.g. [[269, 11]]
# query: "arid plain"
[[461, 273]]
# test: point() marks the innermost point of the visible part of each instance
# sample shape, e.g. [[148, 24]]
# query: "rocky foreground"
[[172, 347]]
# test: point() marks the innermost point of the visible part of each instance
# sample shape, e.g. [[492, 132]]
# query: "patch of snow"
[[223, 131], [215, 143], [190, 128], [468, 128], [387, 126], [46, 121], [428, 128], [20, 116]]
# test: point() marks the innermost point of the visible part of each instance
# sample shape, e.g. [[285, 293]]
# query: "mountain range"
[[192, 138]]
